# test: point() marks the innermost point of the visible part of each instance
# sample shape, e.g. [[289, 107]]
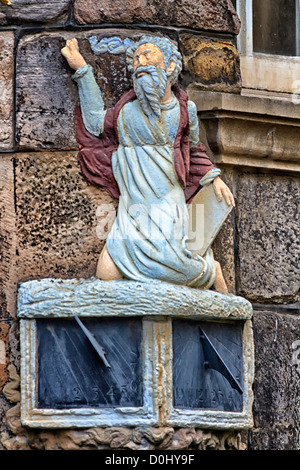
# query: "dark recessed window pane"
[[72, 375], [275, 27]]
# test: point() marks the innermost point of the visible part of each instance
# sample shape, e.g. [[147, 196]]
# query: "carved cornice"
[[251, 131]]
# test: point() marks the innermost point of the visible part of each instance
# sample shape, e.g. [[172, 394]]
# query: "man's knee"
[[106, 268]]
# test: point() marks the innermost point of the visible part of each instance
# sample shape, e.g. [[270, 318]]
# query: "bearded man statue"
[[146, 152]]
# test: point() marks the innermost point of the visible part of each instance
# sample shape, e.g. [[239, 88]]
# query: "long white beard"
[[150, 88]]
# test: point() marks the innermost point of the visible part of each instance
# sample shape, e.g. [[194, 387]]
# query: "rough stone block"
[[110, 70], [276, 385], [214, 16], [57, 217], [7, 238], [4, 353], [47, 95], [268, 233], [6, 90], [211, 64], [28, 11]]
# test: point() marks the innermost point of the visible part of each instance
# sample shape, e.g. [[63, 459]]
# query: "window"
[[276, 27], [269, 45]]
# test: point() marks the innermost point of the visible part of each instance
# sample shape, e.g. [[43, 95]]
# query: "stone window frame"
[[158, 406], [263, 73]]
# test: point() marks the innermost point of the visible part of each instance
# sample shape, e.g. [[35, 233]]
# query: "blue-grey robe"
[[148, 237]]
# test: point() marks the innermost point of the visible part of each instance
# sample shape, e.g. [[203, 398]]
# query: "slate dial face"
[[97, 362], [207, 365], [72, 373]]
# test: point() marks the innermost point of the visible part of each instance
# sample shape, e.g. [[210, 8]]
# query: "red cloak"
[[95, 154]]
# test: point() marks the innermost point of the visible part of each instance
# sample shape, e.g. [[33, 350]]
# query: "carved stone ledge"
[[6, 89], [212, 16], [250, 131], [89, 297]]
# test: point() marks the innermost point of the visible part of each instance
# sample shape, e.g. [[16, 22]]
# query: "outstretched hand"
[[72, 54], [222, 191]]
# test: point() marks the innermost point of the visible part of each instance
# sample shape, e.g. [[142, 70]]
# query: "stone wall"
[[48, 212]]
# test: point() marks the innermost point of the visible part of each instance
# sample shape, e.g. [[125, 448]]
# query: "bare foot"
[[72, 54], [220, 284]]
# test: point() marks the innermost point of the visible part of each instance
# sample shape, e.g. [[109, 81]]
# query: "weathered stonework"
[[94, 297], [157, 304], [45, 116], [276, 388], [7, 238], [247, 131], [6, 90], [56, 217], [4, 353], [210, 64], [258, 246], [206, 15], [114, 438], [269, 233], [39, 11]]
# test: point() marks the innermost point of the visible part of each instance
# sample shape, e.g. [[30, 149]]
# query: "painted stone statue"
[[146, 152]]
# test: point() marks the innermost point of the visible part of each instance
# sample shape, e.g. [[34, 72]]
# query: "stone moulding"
[[255, 131], [158, 304], [6, 89], [92, 297]]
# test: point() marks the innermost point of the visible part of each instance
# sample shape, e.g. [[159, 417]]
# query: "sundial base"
[[125, 353]]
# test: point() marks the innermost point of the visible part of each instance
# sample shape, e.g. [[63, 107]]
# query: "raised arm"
[[90, 97]]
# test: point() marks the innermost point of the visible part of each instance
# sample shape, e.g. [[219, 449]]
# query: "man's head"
[[153, 62], [171, 56]]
